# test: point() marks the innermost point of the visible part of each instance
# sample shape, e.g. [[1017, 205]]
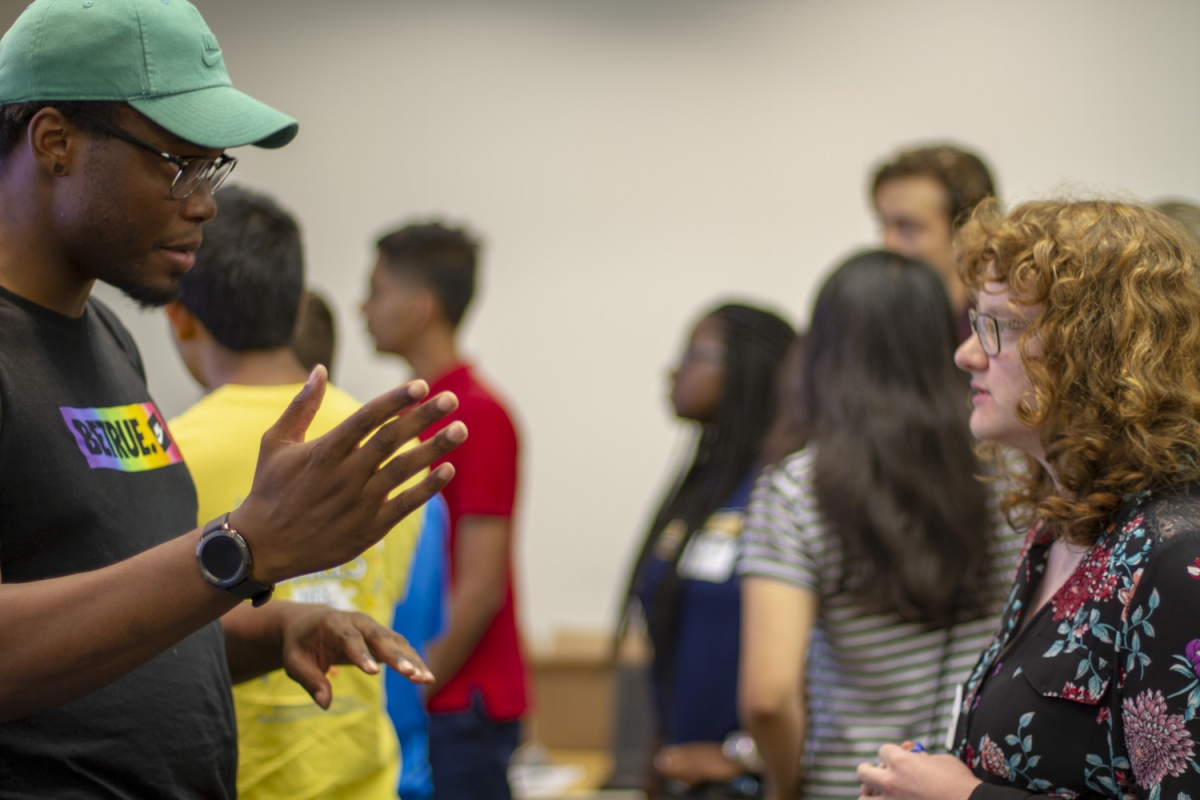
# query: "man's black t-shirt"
[[89, 476]]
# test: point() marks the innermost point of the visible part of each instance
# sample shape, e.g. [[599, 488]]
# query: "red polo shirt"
[[485, 483]]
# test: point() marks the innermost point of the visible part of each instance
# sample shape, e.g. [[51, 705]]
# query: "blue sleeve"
[[420, 617]]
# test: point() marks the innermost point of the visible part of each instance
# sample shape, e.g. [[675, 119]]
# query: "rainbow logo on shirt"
[[129, 438]]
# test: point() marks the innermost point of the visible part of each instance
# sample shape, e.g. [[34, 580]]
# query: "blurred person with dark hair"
[[232, 326], [1183, 212], [314, 340], [921, 197], [421, 287], [683, 579], [873, 571]]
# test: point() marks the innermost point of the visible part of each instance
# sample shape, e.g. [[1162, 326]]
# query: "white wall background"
[[629, 162]]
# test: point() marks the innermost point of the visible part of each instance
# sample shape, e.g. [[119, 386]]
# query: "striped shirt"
[[871, 678]]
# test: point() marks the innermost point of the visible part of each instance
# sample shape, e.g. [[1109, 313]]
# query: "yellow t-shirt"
[[288, 747]]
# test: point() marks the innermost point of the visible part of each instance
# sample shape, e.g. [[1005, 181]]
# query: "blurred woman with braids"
[[873, 569], [683, 577], [1087, 336]]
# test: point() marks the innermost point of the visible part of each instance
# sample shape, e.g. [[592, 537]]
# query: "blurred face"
[[912, 215], [999, 382], [396, 310], [124, 227], [696, 383]]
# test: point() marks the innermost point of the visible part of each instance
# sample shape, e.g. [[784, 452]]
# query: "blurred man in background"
[[421, 286], [921, 197]]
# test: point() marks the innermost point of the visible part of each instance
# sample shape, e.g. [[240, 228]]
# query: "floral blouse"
[[1096, 694]]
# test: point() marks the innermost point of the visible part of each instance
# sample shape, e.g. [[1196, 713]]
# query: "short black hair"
[[249, 273], [442, 259], [963, 175], [15, 117]]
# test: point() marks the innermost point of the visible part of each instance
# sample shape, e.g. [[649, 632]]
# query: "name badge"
[[958, 701], [710, 556]]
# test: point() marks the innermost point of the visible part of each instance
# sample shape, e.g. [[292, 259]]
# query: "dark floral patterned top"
[[1096, 694]]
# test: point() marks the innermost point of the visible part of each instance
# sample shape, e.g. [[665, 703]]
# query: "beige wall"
[[631, 161]]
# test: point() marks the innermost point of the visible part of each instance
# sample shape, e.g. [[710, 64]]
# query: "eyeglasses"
[[191, 171], [988, 327]]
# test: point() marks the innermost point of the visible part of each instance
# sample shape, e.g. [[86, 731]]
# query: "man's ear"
[[425, 307], [183, 322], [53, 141]]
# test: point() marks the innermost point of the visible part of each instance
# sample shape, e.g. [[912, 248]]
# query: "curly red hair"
[[1116, 370]]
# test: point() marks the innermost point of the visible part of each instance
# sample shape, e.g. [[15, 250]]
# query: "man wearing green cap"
[[114, 672]]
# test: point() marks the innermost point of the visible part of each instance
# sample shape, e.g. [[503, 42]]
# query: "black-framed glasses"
[[191, 171], [988, 327]]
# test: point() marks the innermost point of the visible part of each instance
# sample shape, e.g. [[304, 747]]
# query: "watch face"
[[223, 558]]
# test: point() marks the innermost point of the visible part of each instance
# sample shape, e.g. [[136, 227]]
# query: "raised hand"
[[314, 505]]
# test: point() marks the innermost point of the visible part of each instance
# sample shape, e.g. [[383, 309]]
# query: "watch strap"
[[247, 588], [250, 589]]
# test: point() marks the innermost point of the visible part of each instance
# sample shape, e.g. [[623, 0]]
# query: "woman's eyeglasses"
[[988, 328]]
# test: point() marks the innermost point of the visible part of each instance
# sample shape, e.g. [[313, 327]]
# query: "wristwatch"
[[224, 559]]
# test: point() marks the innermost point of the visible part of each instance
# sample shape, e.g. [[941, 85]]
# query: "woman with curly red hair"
[[1085, 357]]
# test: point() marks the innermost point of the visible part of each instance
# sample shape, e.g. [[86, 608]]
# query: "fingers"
[[359, 425], [404, 466], [353, 644], [871, 777], [317, 637], [305, 670], [666, 762], [889, 752], [408, 501], [388, 439], [395, 651], [293, 424]]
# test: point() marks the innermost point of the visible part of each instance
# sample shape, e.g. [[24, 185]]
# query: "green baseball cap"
[[156, 55]]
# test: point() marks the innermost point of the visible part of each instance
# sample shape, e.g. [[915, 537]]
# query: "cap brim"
[[219, 116]]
